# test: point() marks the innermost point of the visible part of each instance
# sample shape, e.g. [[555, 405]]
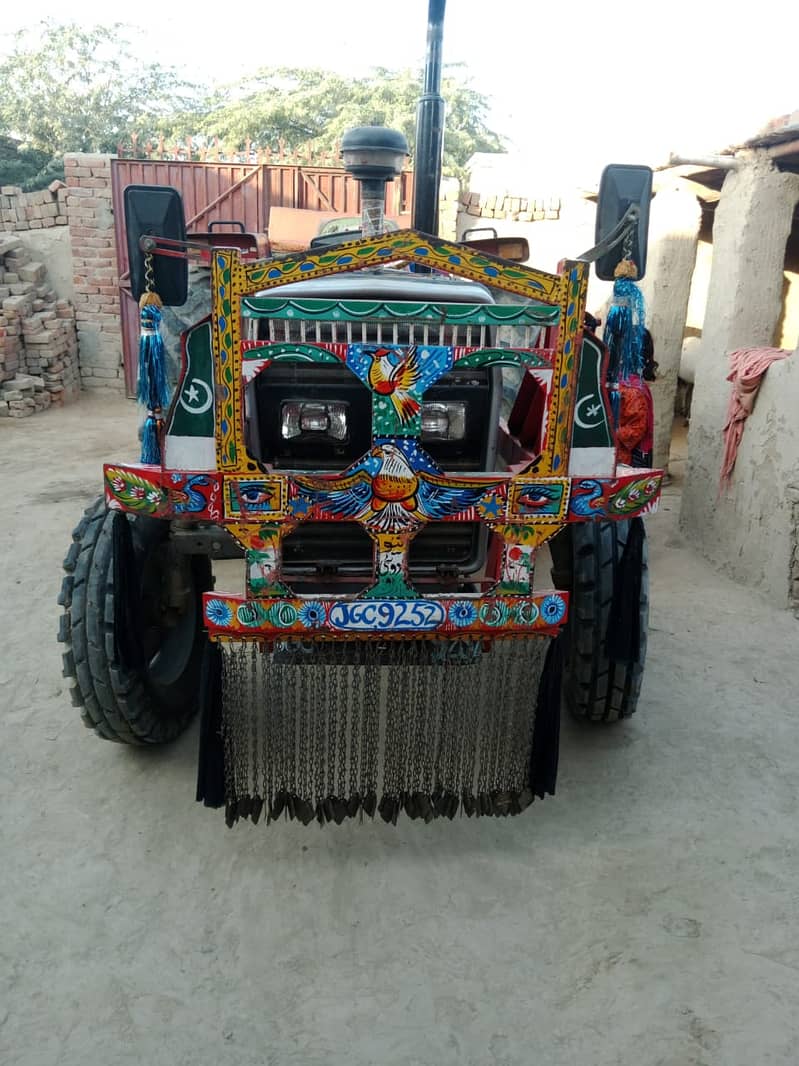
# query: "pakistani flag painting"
[[190, 433], [593, 449]]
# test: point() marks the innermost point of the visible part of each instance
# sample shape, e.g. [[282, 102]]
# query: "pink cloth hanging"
[[747, 367]]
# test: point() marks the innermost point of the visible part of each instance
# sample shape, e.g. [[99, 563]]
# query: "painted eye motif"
[[255, 496], [535, 497]]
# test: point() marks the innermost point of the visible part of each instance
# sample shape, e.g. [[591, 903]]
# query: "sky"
[[571, 86]]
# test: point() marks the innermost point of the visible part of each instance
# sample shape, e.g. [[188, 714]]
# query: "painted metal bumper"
[[452, 618], [258, 510]]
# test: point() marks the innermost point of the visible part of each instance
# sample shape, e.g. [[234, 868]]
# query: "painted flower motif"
[[462, 613], [312, 614], [218, 613], [299, 506], [117, 484], [491, 506], [553, 609], [154, 496]]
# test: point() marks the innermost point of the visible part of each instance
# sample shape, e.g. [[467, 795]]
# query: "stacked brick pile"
[[91, 230], [516, 208], [38, 345], [32, 210]]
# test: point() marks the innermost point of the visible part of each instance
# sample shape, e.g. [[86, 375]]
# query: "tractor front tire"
[[586, 559], [151, 696]]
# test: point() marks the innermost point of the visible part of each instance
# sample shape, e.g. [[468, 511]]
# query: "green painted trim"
[[440, 313], [502, 357], [291, 352]]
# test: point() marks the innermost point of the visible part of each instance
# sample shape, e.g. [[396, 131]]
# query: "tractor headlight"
[[444, 421], [318, 419]]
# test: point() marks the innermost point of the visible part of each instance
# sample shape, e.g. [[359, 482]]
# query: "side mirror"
[[156, 211], [621, 188]]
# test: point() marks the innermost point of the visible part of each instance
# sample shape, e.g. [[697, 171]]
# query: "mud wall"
[[747, 531]]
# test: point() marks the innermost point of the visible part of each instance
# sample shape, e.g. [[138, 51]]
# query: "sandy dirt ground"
[[646, 915]]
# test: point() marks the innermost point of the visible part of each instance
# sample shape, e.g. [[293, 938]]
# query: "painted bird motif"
[[587, 498], [385, 493], [394, 372]]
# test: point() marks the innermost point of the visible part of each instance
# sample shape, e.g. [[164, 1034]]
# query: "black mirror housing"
[[620, 188], [156, 211]]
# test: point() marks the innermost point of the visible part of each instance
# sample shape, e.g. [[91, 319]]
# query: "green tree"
[[71, 89], [298, 106]]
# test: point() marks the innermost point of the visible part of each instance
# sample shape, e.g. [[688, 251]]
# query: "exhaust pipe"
[[430, 128]]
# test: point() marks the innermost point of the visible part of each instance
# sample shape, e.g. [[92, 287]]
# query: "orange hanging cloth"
[[634, 432], [747, 367]]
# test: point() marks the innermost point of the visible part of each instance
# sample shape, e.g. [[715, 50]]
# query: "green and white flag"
[[190, 441]]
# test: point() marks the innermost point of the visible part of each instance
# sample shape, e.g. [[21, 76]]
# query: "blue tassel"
[[624, 331], [153, 387], [150, 443]]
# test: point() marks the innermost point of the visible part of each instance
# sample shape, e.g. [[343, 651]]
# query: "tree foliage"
[[71, 89], [298, 106], [67, 88]]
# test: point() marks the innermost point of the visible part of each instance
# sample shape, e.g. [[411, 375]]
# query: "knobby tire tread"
[[597, 689], [113, 700]]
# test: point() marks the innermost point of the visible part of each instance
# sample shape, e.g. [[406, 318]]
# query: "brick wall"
[[91, 227], [515, 208], [32, 210], [38, 346]]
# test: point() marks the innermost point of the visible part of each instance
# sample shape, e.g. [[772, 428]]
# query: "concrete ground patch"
[[646, 914]]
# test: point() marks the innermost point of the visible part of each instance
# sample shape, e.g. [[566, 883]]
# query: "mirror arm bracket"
[[625, 225], [165, 246]]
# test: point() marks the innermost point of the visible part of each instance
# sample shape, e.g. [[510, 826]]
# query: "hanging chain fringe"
[[335, 731]]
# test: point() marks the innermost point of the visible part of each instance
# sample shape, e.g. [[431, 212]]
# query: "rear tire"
[[152, 700], [586, 558]]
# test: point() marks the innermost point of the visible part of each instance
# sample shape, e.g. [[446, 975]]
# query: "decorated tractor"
[[385, 430]]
